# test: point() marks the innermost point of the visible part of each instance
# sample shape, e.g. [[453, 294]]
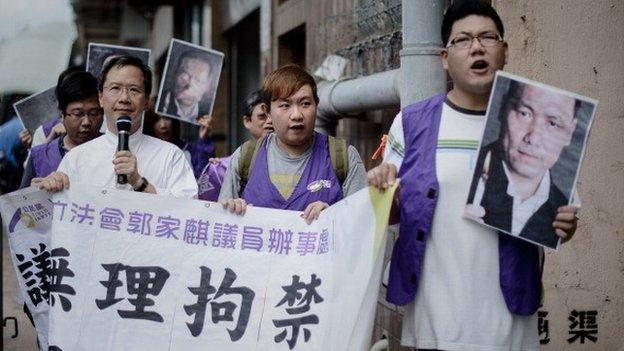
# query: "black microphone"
[[124, 123]]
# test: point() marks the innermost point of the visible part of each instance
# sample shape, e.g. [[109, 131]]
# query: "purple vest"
[[318, 181], [201, 151], [211, 179], [47, 126], [46, 157], [520, 271]]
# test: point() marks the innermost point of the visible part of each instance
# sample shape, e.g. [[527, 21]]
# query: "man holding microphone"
[[149, 165]]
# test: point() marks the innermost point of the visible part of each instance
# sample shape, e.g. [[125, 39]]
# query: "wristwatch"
[[143, 185]]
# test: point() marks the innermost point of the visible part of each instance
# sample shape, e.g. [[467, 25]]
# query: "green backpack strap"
[[249, 152], [339, 157]]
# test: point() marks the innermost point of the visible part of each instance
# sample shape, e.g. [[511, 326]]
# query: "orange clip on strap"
[[382, 147]]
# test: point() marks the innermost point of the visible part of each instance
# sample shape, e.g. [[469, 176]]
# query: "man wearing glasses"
[[152, 165], [466, 286], [77, 96]]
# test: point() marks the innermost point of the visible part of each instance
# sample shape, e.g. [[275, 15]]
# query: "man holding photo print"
[[150, 165], [465, 286], [513, 189]]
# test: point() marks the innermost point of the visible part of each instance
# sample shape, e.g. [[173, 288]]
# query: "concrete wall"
[[578, 45], [368, 34]]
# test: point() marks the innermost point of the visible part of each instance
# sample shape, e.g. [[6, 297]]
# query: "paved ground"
[[26, 338]]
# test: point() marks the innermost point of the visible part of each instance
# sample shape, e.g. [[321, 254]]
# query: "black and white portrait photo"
[[529, 160], [99, 54], [37, 109], [189, 83]]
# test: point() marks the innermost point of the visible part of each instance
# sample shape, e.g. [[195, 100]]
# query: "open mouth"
[[297, 127], [479, 65]]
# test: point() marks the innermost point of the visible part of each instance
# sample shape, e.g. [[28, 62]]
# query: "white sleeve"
[[395, 145], [65, 165], [38, 137], [181, 182]]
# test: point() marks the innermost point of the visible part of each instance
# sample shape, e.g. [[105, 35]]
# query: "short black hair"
[[122, 61], [257, 97], [463, 8], [64, 75], [75, 86]]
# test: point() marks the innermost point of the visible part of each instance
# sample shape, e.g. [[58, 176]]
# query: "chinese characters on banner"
[[121, 270], [158, 274], [26, 220]]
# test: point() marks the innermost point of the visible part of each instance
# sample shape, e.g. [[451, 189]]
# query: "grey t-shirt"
[[285, 171]]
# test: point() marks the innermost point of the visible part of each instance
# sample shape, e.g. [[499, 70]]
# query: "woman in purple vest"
[[292, 169], [81, 115]]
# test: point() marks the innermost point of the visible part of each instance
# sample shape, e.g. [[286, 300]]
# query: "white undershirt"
[[39, 137], [161, 163], [459, 304], [193, 113], [523, 210]]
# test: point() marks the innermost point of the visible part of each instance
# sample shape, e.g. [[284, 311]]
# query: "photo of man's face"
[[540, 124], [191, 81]]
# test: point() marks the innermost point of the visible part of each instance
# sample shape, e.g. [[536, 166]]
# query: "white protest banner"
[[158, 273], [26, 220]]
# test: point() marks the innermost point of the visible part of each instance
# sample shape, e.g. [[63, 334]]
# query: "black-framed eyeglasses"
[[92, 113], [464, 41]]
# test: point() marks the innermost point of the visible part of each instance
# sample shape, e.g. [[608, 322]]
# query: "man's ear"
[[444, 59], [266, 109], [506, 48], [247, 122]]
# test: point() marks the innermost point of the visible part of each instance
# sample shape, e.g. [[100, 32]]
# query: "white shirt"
[[38, 137], [161, 163], [523, 210], [459, 304]]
